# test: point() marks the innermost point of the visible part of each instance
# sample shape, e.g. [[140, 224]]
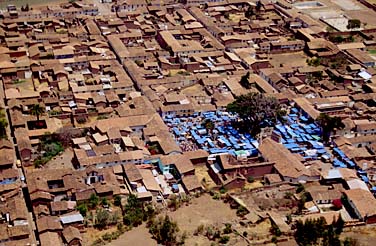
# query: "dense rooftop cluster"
[[120, 100]]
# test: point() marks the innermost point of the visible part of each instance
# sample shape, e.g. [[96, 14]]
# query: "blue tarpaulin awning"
[[364, 178]]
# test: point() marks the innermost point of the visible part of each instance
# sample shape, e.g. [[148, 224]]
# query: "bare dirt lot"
[[203, 210], [258, 233], [92, 234], [202, 174], [208, 212], [365, 235], [197, 90], [137, 236], [297, 59], [63, 160]]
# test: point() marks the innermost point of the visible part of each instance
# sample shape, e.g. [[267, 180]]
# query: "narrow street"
[[103, 8], [18, 167]]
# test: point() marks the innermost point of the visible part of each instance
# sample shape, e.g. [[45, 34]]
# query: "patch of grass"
[[51, 147], [185, 73], [372, 52], [18, 81], [55, 112]]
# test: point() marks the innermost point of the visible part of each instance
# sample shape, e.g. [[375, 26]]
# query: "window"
[[53, 184], [92, 180]]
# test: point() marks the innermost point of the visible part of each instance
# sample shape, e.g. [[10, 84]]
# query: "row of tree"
[[162, 228], [318, 232]]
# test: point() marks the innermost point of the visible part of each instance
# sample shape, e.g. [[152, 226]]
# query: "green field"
[[19, 3]]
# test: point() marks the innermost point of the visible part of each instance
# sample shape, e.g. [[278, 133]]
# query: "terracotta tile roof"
[[49, 223], [285, 162], [71, 233], [363, 200]]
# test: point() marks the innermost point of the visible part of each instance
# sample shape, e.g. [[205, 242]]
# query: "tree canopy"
[[256, 110], [258, 5], [318, 232], [353, 23], [93, 200], [134, 212], [329, 124], [37, 110], [3, 127], [208, 124], [102, 218], [165, 231], [244, 81], [82, 208], [249, 12]]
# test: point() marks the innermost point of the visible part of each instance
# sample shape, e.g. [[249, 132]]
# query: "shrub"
[[82, 208], [224, 239], [274, 239], [288, 195], [107, 237], [213, 233], [114, 218], [81, 120], [300, 188], [241, 211], [93, 201], [174, 202], [227, 229], [104, 201], [250, 179], [117, 200], [222, 190], [216, 196], [102, 218], [164, 230], [139, 63], [275, 230]]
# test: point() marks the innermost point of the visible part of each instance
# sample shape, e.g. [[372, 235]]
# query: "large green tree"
[[353, 23], [329, 124], [103, 218], [208, 124], [310, 231], [244, 81], [133, 212], [165, 231], [93, 200], [254, 109], [317, 232], [37, 110], [3, 127]]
